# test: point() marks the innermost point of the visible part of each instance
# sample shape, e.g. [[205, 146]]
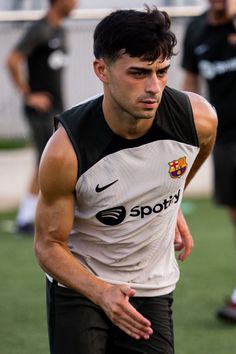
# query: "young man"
[[209, 53], [43, 49], [112, 179]]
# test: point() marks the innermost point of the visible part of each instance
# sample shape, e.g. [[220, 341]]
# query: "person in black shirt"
[[42, 50], [209, 52]]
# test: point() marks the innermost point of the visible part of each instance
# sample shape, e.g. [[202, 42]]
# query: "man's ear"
[[101, 70]]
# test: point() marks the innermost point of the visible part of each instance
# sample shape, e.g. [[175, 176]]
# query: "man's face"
[[218, 5], [135, 86], [66, 6]]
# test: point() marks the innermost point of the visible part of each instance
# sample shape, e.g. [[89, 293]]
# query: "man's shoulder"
[[202, 108], [37, 25], [205, 117], [43, 29], [200, 20], [38, 30], [197, 28]]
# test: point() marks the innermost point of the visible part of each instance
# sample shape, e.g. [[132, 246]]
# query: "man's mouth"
[[149, 103]]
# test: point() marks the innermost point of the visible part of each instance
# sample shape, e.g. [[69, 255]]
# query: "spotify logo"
[[113, 216]]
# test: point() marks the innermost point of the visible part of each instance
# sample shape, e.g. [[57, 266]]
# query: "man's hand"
[[183, 238], [116, 305], [40, 101]]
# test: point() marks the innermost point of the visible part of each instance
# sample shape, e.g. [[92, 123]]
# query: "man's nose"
[[153, 85]]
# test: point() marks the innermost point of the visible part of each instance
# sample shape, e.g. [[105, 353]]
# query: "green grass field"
[[207, 278]]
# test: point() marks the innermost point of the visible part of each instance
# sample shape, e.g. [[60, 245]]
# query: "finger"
[[126, 319], [126, 290], [177, 234], [125, 322], [132, 330], [134, 334], [187, 250], [178, 242], [127, 312], [179, 246], [135, 316]]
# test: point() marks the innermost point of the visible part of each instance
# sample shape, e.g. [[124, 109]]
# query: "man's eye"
[[138, 73], [162, 73]]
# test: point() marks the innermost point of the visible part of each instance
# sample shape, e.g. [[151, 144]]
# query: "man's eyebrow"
[[145, 69], [165, 67], [138, 68]]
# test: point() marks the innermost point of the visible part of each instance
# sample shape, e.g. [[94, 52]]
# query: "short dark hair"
[[145, 34]]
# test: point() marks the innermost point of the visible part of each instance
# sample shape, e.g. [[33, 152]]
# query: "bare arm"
[[54, 219], [41, 101], [190, 82], [205, 119], [231, 8], [15, 62], [206, 123]]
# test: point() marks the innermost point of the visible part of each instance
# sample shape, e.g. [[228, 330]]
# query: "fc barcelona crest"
[[178, 167]]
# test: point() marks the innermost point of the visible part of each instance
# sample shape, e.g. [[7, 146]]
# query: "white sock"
[[233, 296], [27, 209]]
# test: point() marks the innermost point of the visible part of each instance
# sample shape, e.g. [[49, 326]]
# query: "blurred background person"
[[231, 7], [209, 52], [35, 65]]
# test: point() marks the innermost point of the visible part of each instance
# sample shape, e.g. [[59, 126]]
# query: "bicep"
[[205, 119], [57, 180], [15, 60], [54, 219]]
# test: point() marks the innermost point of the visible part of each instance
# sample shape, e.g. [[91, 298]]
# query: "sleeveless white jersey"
[[128, 194]]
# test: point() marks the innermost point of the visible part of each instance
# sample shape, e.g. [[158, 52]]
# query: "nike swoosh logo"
[[100, 189]]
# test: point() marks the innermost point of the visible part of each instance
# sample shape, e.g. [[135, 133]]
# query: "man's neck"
[[53, 17], [217, 18], [124, 125]]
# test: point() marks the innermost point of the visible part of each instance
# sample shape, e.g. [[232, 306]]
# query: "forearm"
[[15, 68], [190, 82], [20, 82], [201, 158], [113, 299], [57, 260]]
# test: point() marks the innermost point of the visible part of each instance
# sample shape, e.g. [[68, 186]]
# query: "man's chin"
[[146, 116]]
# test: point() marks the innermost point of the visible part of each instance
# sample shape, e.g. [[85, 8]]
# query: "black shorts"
[[78, 326], [224, 158], [41, 128]]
